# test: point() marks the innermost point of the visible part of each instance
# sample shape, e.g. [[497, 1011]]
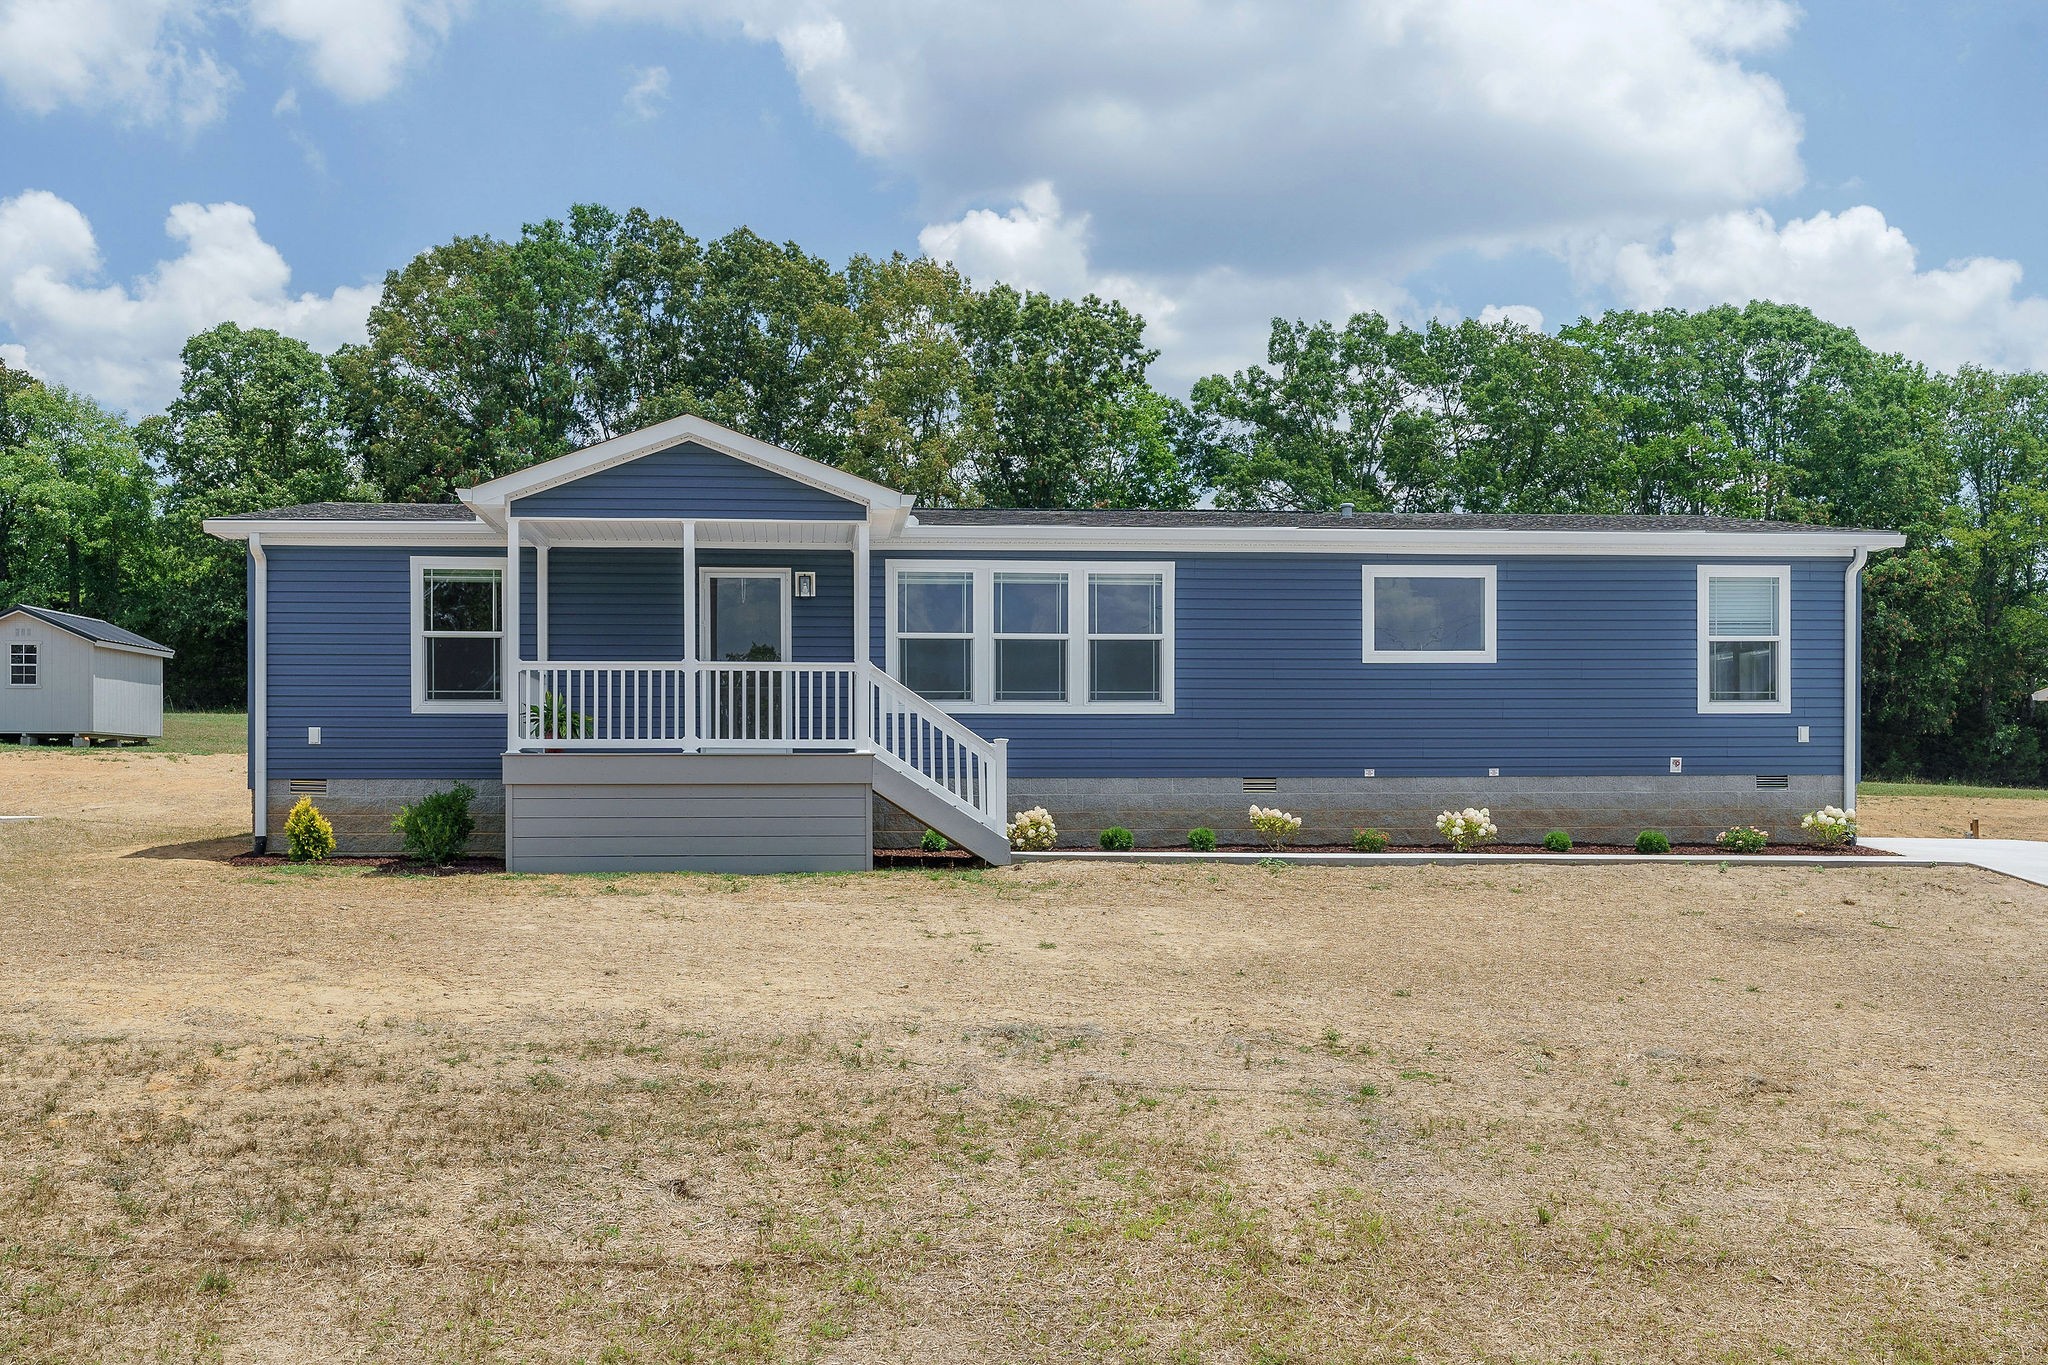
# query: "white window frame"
[[1783, 639], [34, 664], [421, 704], [983, 635], [707, 572], [1486, 573]]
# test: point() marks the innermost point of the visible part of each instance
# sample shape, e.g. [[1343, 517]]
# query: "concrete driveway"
[[2026, 859]]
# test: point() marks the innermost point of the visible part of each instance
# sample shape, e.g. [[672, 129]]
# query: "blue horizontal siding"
[[1596, 676], [688, 480], [1596, 672], [341, 658]]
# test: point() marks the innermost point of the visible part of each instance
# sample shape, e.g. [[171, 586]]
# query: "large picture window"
[[1034, 636], [1430, 613], [458, 635], [1744, 639]]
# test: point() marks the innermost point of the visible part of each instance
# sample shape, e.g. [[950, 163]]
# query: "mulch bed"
[[917, 857], [381, 865], [1690, 850]]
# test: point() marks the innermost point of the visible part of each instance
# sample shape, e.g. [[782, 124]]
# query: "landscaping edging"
[[1511, 859]]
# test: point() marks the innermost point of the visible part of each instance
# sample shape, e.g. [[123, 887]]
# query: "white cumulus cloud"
[[120, 342], [144, 61], [358, 49], [1853, 268], [647, 93], [1521, 314]]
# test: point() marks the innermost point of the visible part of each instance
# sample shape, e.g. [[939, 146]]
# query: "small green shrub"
[[934, 842], [437, 827], [1202, 839], [1557, 841], [1117, 839], [308, 836], [1369, 841], [1653, 841], [1743, 839]]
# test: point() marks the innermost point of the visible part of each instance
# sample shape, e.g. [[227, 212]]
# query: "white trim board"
[[707, 572], [492, 496], [1780, 706], [1343, 541], [507, 629], [1488, 576], [1078, 634]]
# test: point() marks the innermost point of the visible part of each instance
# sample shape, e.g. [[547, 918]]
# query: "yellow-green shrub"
[[308, 837]]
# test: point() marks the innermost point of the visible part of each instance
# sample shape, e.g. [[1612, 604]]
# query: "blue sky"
[[168, 163]]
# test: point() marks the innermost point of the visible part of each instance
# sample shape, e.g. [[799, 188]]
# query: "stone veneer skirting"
[[1593, 810], [360, 809]]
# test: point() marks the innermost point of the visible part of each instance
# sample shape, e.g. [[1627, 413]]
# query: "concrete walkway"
[[2026, 859]]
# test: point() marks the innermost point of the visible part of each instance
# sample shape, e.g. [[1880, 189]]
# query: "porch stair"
[[935, 769]]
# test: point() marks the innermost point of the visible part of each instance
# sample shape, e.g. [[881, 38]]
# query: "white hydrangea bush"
[[1032, 831], [1467, 829], [1274, 825], [1830, 826]]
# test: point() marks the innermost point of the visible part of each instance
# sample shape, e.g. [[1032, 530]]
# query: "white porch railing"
[[695, 706]]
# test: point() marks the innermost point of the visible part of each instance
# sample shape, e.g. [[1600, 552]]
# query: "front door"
[[745, 615]]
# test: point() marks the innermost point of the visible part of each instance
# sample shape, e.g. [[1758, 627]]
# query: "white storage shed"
[[75, 679]]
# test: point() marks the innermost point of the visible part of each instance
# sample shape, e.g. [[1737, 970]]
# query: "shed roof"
[[91, 628]]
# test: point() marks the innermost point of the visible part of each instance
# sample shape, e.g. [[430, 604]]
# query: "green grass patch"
[[1952, 789], [192, 732]]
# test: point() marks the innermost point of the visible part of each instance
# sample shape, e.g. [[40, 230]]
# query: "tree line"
[[485, 355]]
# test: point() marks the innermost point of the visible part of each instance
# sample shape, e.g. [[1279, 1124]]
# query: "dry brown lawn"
[[1046, 1113]]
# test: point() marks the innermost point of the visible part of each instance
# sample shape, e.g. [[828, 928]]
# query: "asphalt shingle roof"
[[1199, 518], [1361, 521], [360, 511], [91, 627]]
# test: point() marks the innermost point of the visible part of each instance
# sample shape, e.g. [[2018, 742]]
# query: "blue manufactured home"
[[725, 653]]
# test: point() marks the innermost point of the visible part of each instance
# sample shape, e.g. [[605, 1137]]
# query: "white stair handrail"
[[933, 749]]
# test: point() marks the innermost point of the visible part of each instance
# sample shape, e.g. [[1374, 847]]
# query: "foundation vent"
[[1262, 784], [308, 786], [1778, 783]]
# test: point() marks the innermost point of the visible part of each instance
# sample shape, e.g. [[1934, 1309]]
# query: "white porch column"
[[690, 675], [508, 682], [540, 603], [863, 608]]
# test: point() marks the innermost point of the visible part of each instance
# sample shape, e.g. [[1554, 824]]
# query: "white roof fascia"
[[1324, 540], [293, 532], [489, 499]]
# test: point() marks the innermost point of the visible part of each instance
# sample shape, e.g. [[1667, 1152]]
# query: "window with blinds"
[[1744, 652]]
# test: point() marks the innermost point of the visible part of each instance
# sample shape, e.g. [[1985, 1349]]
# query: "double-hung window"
[[24, 665], [458, 637], [1430, 614], [934, 639], [1745, 638], [1034, 636]]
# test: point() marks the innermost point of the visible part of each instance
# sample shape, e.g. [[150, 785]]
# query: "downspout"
[[1852, 679], [259, 696]]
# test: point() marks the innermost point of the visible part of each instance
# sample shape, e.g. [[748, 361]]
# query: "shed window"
[[24, 665], [459, 635], [1745, 653], [1033, 635], [1429, 613]]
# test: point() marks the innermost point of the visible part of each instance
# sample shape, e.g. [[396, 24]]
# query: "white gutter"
[[259, 696], [1852, 679]]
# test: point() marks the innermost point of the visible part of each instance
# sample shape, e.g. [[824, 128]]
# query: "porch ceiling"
[[559, 531]]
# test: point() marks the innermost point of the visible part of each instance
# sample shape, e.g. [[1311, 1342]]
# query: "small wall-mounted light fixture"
[[1678, 765], [312, 734], [806, 585]]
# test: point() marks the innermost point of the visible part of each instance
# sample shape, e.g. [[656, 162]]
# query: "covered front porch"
[[722, 639]]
